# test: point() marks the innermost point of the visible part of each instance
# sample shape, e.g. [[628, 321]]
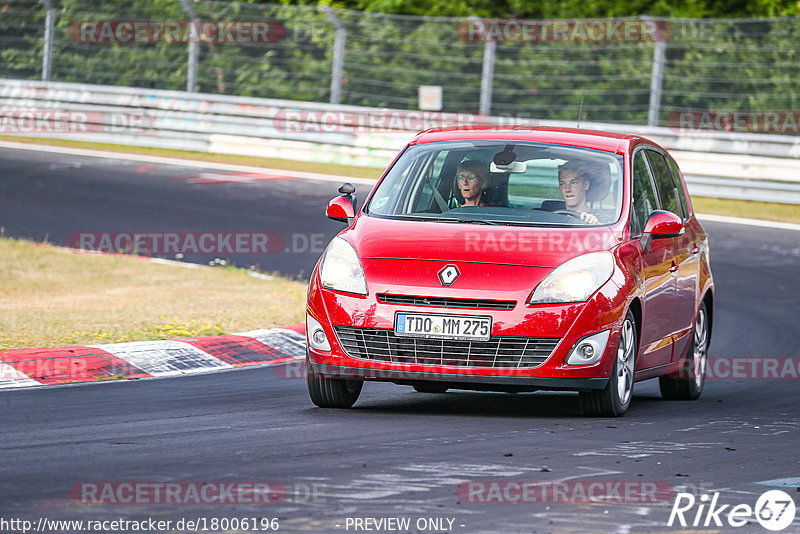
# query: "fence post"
[[191, 68], [657, 77], [340, 38], [487, 71], [656, 83], [47, 50]]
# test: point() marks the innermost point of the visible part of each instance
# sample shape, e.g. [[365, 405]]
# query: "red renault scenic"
[[515, 259]]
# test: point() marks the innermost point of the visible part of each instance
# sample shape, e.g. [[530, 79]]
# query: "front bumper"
[[567, 323], [460, 381]]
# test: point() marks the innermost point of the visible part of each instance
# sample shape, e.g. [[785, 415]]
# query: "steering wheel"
[[571, 213]]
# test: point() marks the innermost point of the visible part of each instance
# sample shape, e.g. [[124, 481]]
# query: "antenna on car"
[[580, 110]]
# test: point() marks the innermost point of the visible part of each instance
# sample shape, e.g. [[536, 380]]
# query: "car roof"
[[596, 139]]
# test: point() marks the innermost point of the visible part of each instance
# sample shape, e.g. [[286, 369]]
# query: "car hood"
[[380, 238]]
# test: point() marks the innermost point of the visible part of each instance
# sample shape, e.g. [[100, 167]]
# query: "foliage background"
[[720, 63]]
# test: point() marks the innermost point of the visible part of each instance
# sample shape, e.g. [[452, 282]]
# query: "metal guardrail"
[[716, 164]]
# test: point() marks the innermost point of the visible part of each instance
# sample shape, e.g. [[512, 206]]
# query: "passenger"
[[472, 179], [574, 181]]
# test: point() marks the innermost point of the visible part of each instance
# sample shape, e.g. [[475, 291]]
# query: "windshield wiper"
[[465, 221], [454, 220], [479, 221]]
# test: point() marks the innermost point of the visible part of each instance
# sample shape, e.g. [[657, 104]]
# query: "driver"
[[574, 180], [472, 179]]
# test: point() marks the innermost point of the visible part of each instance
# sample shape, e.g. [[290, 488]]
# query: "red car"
[[515, 259]]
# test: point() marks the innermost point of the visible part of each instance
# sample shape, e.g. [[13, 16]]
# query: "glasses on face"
[[470, 178]]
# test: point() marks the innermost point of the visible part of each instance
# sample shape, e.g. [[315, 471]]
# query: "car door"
[[658, 291], [687, 257]]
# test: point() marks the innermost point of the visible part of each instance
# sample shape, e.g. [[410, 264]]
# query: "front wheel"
[[331, 392], [614, 400], [688, 385]]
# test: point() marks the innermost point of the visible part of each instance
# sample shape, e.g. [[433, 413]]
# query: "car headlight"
[[575, 280], [341, 269]]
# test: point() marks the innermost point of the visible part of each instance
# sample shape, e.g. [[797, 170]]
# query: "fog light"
[[319, 337], [316, 335], [589, 350]]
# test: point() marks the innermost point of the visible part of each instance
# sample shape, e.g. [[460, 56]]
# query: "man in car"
[[574, 181]]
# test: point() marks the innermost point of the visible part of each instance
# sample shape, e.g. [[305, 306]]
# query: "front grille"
[[499, 352], [444, 302]]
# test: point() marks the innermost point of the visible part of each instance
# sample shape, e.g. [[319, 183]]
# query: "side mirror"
[[343, 208], [661, 224]]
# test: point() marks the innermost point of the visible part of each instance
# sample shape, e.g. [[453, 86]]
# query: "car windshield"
[[502, 182]]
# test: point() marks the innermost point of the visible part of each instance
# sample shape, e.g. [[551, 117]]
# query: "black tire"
[[614, 400], [331, 392], [689, 382], [431, 387]]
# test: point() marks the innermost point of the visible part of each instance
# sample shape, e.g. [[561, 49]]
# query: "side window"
[[432, 177], [644, 198], [666, 189], [676, 177]]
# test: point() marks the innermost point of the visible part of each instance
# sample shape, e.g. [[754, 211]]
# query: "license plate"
[[443, 326]]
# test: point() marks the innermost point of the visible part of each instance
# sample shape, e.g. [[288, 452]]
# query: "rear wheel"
[[331, 392], [432, 387], [614, 400], [688, 385]]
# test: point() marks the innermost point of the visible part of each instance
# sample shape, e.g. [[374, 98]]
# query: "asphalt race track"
[[47, 196], [398, 453]]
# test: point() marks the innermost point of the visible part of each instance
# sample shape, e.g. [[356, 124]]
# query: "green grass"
[[750, 209], [52, 296]]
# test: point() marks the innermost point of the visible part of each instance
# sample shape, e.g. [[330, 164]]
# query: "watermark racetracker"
[[49, 121], [176, 31], [181, 243], [149, 493], [576, 31], [783, 122]]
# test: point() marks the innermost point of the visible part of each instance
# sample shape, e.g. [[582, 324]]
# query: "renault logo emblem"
[[448, 275]]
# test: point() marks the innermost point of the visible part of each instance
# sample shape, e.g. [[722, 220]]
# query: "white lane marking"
[[793, 482], [749, 222], [417, 478], [642, 449], [186, 162], [236, 177], [756, 426], [165, 358], [10, 377], [260, 276], [185, 264]]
